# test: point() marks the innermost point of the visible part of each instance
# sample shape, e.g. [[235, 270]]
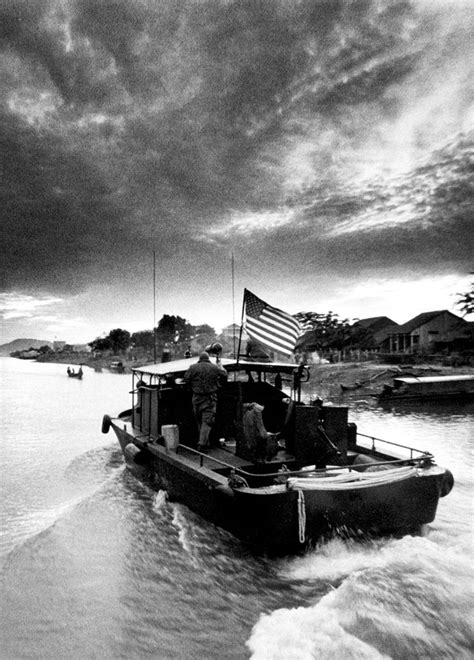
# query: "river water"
[[96, 565]]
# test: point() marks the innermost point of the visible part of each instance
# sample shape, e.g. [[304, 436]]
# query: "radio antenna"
[[154, 307], [233, 305]]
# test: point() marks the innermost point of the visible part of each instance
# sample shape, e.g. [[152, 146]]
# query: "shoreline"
[[363, 376]]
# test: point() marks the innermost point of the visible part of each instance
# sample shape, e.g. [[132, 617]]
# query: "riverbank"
[[366, 378], [89, 360], [332, 378]]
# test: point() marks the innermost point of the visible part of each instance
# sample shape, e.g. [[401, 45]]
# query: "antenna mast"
[[154, 308], [233, 306]]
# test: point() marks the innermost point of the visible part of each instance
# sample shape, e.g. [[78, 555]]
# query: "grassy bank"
[[369, 377], [363, 377]]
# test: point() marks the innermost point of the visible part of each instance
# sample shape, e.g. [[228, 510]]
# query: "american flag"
[[270, 326]]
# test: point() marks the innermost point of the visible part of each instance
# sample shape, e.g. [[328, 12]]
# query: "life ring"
[[305, 375], [106, 424], [446, 484]]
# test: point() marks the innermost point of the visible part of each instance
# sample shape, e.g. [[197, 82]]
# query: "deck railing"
[[422, 454], [305, 472]]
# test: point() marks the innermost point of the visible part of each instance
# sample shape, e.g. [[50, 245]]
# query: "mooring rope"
[[353, 480], [301, 517]]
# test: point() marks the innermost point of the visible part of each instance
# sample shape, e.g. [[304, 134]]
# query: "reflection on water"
[[96, 565], [441, 409]]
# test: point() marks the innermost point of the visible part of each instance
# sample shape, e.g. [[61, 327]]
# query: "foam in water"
[[307, 633], [160, 499], [387, 605]]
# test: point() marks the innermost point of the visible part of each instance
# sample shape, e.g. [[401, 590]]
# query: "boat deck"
[[217, 458], [227, 455], [221, 460]]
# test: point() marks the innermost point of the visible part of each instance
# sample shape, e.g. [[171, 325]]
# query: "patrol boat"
[[314, 476], [429, 388]]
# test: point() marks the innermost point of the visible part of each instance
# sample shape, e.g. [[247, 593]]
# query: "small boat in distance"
[[117, 367], [75, 374], [427, 388], [314, 476]]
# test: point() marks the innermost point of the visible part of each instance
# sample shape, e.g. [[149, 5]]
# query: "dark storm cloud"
[[422, 223], [127, 125], [427, 219]]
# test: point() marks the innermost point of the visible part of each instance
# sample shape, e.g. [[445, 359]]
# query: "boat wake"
[[91, 466], [82, 479], [186, 531], [200, 538], [386, 603], [160, 500]]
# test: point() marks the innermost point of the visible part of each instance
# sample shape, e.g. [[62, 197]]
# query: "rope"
[[301, 517], [353, 480]]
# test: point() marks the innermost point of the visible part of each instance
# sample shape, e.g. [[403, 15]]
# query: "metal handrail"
[[425, 454], [291, 473]]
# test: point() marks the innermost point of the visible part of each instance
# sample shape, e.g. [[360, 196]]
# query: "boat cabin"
[[270, 389], [430, 387], [116, 365]]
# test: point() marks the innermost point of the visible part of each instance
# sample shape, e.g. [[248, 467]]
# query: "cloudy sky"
[[326, 144]]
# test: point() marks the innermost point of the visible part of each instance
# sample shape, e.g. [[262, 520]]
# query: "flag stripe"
[[270, 341], [268, 332], [271, 330], [271, 313], [270, 326]]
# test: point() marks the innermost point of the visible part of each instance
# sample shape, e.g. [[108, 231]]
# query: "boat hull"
[[435, 396], [431, 388], [282, 519]]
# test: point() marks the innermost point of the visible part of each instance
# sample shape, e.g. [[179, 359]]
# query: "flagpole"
[[241, 326]]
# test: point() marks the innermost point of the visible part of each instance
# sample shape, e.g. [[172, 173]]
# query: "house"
[[231, 331], [374, 330], [230, 337], [430, 332]]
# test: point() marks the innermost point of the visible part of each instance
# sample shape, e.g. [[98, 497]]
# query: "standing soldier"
[[203, 377]]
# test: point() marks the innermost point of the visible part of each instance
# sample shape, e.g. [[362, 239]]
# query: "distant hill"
[[23, 345]]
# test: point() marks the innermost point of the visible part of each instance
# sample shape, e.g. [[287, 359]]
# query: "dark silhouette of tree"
[[142, 339], [204, 334], [465, 301], [101, 344], [328, 331], [45, 349], [173, 329], [119, 340]]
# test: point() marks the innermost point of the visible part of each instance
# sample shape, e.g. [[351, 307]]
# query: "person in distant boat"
[[80, 371], [68, 370], [187, 353], [204, 377]]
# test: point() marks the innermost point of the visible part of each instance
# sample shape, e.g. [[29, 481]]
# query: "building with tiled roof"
[[428, 332]]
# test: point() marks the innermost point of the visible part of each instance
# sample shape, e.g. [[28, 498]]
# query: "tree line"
[[174, 331], [329, 333]]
